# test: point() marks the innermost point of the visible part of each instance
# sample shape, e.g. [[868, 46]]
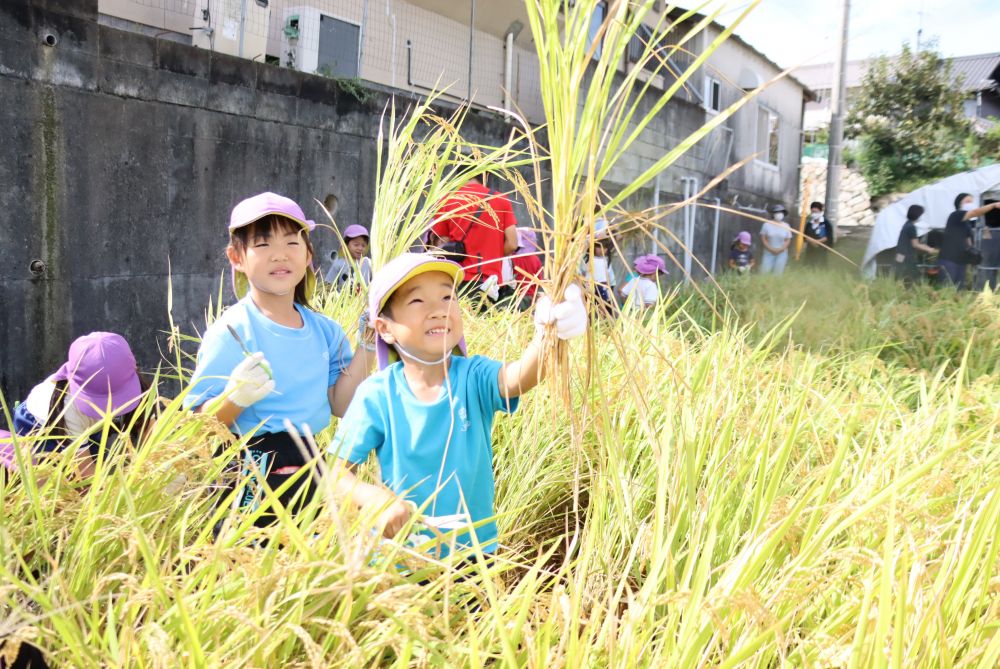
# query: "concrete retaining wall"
[[120, 158], [122, 154]]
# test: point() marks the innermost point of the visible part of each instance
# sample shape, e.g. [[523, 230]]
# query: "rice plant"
[[695, 487], [725, 503]]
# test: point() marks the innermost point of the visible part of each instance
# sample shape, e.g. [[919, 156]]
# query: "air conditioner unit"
[[236, 27], [317, 42]]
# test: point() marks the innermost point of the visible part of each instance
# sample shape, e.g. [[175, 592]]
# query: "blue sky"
[[793, 32]]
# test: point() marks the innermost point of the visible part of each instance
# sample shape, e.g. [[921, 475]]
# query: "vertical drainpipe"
[[472, 31], [508, 73], [656, 210], [715, 236], [691, 187], [361, 36], [391, 16], [802, 143]]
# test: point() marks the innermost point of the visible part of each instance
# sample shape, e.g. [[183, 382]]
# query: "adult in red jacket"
[[488, 237]]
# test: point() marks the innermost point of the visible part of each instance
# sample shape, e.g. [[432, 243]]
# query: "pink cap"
[[257, 207], [394, 274], [744, 238], [527, 238], [650, 264], [352, 231], [101, 375]]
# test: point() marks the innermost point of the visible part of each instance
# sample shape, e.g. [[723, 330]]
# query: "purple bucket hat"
[[650, 264], [394, 274], [100, 372], [257, 207], [744, 238]]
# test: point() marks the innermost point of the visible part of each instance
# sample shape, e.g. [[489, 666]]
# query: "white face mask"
[[817, 215], [779, 217], [968, 206]]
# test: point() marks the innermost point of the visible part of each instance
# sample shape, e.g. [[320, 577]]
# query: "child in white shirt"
[[646, 286]]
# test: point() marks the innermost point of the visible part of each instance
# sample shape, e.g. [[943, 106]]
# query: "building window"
[[713, 94], [596, 21], [338, 48], [768, 127]]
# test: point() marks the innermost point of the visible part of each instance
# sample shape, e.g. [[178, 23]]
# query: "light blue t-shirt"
[[443, 447], [305, 362]]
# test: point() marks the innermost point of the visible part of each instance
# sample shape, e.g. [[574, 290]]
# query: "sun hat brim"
[[95, 403], [393, 275]]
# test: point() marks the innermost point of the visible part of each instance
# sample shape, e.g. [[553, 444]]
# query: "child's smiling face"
[[423, 316], [357, 247], [275, 258]]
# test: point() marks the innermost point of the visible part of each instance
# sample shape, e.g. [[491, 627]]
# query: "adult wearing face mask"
[[817, 236], [909, 243], [775, 236], [958, 238]]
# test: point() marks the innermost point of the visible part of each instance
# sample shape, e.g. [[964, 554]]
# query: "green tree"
[[984, 149], [909, 120]]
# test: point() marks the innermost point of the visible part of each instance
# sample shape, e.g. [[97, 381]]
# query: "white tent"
[[937, 199]]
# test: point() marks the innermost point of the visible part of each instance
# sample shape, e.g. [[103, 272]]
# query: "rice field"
[[708, 501], [718, 483]]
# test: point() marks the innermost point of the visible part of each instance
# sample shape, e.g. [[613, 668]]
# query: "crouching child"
[[428, 413]]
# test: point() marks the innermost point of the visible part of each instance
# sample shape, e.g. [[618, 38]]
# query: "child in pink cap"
[[527, 267], [740, 256], [354, 268], [428, 413], [99, 379], [270, 357], [646, 286]]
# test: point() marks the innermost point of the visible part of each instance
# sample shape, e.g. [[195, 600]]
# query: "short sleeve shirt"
[[32, 414], [741, 258], [775, 234], [649, 293], [305, 362], [956, 233], [904, 246], [604, 272], [439, 453], [483, 235]]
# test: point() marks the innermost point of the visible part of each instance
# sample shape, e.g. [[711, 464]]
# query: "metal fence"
[[392, 42]]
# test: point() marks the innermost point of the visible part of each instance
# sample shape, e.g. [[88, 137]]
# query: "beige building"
[[482, 51], [415, 46], [419, 45]]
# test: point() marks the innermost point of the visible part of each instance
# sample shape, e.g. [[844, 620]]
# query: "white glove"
[[491, 287], [249, 381], [569, 316]]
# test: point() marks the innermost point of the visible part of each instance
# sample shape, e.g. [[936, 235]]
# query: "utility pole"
[[472, 34], [920, 26], [837, 104]]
